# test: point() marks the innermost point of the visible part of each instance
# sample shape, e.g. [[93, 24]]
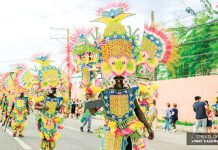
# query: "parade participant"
[[4, 107], [66, 109], [19, 112], [124, 120], [73, 109], [48, 120], [48, 105], [9, 88]]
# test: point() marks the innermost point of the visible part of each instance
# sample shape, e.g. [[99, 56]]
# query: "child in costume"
[[48, 105]]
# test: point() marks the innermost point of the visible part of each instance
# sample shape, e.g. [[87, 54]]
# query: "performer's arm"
[[12, 108], [39, 106], [27, 106], [142, 118], [58, 107]]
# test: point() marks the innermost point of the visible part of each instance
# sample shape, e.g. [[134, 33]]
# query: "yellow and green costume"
[[19, 115], [48, 122]]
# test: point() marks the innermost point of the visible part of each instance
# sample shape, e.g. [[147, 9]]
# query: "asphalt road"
[[73, 139]]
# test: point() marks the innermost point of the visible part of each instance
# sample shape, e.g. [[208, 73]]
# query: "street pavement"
[[73, 139]]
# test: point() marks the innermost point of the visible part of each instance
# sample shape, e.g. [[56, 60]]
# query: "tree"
[[198, 48]]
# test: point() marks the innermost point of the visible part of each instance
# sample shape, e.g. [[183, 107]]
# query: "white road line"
[[147, 148], [72, 128], [19, 141]]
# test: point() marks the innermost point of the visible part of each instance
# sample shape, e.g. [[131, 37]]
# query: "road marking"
[[19, 141], [72, 128], [147, 148]]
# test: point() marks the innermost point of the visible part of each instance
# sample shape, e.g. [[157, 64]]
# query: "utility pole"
[[68, 57]]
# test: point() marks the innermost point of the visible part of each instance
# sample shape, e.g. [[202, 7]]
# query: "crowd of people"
[[206, 115]]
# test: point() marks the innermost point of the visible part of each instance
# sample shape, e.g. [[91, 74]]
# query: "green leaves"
[[198, 47]]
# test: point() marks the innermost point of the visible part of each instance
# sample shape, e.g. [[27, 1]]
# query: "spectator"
[[86, 118], [73, 109], [200, 114], [153, 115], [215, 114], [174, 117], [209, 117], [167, 113]]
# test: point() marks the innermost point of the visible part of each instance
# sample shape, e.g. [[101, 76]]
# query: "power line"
[[192, 27], [200, 41], [199, 54], [198, 37]]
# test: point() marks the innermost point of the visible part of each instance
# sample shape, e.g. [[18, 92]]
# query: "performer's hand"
[[45, 108], [151, 134]]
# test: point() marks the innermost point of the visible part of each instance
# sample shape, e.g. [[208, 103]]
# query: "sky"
[[25, 25]]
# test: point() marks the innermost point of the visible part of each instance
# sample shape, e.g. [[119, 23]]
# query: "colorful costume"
[[121, 56], [117, 50], [85, 56], [48, 120], [9, 92], [19, 115], [24, 81]]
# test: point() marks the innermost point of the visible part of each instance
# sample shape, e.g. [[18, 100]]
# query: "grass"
[[178, 122]]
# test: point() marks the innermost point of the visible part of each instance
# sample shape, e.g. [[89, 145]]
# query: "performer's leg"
[[89, 124], [14, 128], [129, 145], [21, 129], [84, 123]]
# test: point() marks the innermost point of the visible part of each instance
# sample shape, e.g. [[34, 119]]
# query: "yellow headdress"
[[49, 76], [117, 47]]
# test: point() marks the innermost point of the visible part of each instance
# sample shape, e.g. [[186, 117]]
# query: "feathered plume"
[[121, 5]]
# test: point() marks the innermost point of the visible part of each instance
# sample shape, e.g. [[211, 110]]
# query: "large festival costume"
[[47, 117], [86, 57], [121, 57]]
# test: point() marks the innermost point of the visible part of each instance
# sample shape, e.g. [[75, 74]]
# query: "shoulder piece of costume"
[[8, 81], [156, 46], [25, 80]]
